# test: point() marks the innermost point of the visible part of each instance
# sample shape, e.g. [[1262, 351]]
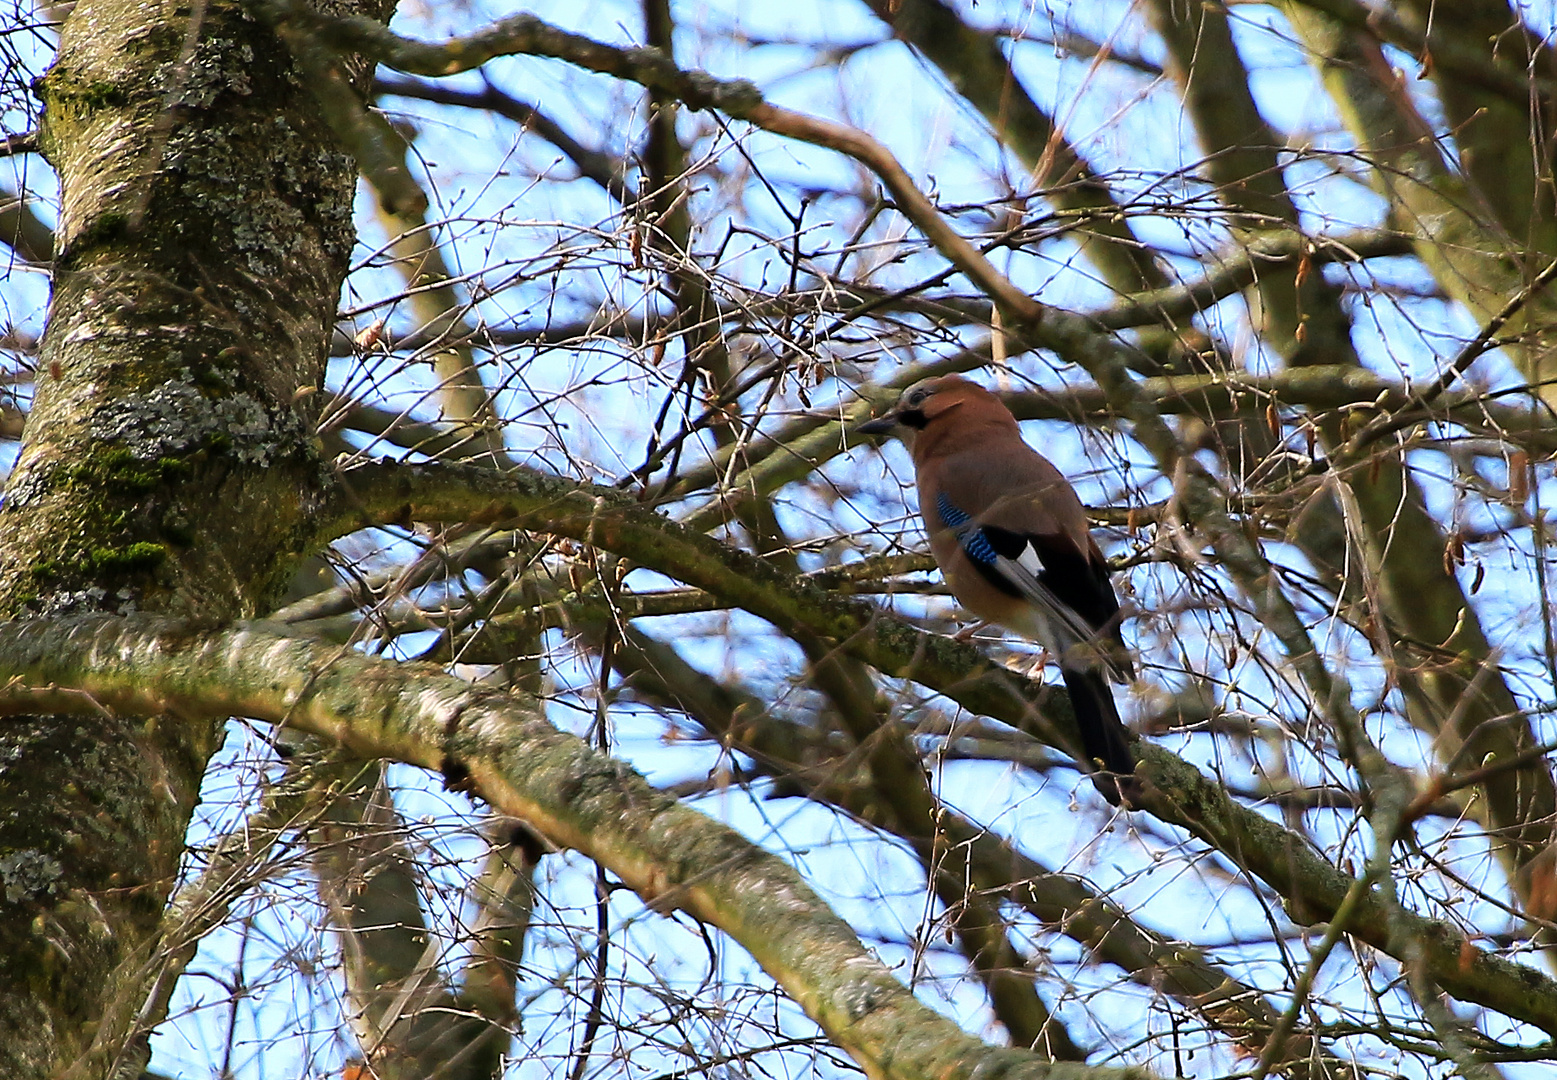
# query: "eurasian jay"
[[1011, 539]]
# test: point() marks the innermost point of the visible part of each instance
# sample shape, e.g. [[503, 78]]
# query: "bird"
[[1011, 539]]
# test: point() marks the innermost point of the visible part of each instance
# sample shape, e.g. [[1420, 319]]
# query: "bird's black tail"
[[1103, 734]]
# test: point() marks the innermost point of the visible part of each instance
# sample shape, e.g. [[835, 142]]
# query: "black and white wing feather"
[[1016, 565]]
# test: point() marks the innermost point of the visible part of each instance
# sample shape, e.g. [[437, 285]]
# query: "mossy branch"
[[1177, 792], [500, 747]]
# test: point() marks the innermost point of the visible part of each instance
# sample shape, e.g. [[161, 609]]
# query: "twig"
[[25, 143]]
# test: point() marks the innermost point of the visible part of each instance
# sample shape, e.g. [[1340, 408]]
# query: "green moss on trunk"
[[204, 231]]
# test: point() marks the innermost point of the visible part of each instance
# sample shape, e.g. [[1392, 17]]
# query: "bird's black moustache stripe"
[[914, 418]]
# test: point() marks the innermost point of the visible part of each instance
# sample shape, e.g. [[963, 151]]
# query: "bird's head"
[[931, 401]]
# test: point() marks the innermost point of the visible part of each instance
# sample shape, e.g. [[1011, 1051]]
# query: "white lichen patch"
[[176, 418], [276, 656], [782, 895], [84, 331], [866, 964], [70, 601], [440, 704], [489, 726], [29, 875]]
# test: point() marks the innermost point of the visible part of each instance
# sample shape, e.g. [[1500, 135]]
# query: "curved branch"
[[604, 169], [500, 747], [1176, 791], [738, 98]]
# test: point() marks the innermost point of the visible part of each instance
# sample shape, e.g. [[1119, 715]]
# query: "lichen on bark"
[[168, 464]]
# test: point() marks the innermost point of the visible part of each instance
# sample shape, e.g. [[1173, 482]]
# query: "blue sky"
[[539, 248]]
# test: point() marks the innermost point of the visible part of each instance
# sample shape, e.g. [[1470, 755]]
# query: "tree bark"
[[168, 464]]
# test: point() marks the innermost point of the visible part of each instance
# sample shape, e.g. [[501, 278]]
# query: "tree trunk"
[[168, 464]]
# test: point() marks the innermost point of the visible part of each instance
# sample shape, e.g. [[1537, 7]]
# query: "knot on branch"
[[737, 97]]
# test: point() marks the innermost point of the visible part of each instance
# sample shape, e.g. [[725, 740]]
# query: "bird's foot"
[[966, 633]]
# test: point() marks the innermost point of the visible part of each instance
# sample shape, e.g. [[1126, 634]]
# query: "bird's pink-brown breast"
[[1007, 486]]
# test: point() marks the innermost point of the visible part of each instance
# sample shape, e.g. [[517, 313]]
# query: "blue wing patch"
[[954, 518], [974, 542]]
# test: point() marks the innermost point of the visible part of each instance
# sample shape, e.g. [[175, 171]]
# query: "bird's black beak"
[[882, 425]]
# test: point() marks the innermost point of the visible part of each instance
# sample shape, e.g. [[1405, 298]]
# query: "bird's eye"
[[916, 399]]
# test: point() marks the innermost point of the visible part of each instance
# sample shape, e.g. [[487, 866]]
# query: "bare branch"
[[501, 748]]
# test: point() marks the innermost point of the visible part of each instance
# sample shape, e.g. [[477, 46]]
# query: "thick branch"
[[1449, 52], [1178, 793], [501, 748]]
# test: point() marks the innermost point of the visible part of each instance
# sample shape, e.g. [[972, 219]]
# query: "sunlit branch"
[[1441, 50], [1177, 792], [500, 747]]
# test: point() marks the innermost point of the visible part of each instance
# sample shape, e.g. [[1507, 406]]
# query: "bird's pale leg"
[[1039, 665], [966, 633]]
